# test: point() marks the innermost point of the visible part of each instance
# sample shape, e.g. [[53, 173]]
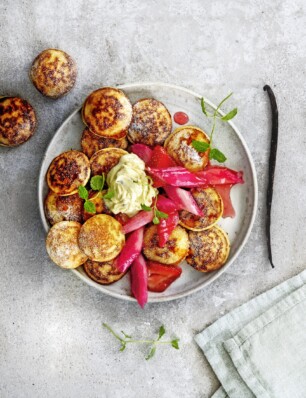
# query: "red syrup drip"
[[181, 118]]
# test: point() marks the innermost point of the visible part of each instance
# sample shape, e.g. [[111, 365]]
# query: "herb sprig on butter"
[[214, 153]]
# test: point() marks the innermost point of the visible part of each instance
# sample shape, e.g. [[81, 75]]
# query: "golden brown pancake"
[[105, 159], [63, 208], [210, 202], [103, 273], [67, 172], [173, 252], [151, 122], [209, 249], [62, 245], [101, 238], [179, 147], [17, 121], [53, 73], [107, 112], [92, 143]]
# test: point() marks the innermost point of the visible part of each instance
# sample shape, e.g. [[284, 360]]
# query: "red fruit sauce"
[[181, 118]]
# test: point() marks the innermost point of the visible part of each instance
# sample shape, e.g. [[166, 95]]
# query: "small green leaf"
[[200, 146], [175, 344], [155, 220], [145, 207], [151, 353], [90, 207], [110, 194], [161, 332], [217, 155], [97, 182], [83, 193], [230, 115], [161, 214], [126, 335], [203, 107], [123, 346]]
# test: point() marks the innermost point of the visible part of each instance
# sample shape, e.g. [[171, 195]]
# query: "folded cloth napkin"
[[259, 349]]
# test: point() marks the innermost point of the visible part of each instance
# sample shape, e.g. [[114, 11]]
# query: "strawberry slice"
[[159, 160], [161, 276]]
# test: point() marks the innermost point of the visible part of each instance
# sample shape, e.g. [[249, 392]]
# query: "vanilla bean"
[[272, 162]]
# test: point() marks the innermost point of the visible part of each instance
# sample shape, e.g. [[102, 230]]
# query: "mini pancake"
[[53, 73], [103, 273], [210, 202], [101, 238], [67, 172], [96, 198], [92, 143], [179, 147], [107, 112], [105, 159], [63, 208], [209, 249], [173, 252], [17, 121], [151, 122], [62, 245]]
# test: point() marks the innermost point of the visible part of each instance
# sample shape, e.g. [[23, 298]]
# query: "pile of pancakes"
[[95, 241]]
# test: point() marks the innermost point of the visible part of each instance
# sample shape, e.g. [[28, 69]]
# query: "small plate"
[[227, 138]]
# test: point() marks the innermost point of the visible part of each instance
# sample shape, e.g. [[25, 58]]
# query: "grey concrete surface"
[[52, 343]]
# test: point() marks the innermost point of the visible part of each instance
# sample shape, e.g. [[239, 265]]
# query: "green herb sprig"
[[96, 184], [200, 146], [157, 213], [127, 339]]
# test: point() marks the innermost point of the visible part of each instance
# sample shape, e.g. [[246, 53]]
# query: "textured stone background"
[[51, 340]]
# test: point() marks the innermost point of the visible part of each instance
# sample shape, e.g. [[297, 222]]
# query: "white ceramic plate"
[[227, 138]]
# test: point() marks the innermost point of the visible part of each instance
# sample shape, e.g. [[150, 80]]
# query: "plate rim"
[[219, 272]]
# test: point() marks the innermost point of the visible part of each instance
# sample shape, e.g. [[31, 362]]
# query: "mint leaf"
[[175, 344], [97, 182], [230, 115], [160, 214], [110, 194], [200, 146], [83, 193], [217, 155], [161, 332], [151, 353], [155, 220], [90, 207], [203, 107], [145, 207]]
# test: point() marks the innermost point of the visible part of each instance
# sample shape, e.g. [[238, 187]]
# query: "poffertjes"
[[209, 249], [62, 245], [67, 172], [151, 122], [104, 273], [107, 112], [92, 143], [179, 147], [173, 252], [101, 238], [17, 121], [53, 73]]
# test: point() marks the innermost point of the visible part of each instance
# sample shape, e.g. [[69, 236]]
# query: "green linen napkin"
[[259, 349]]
